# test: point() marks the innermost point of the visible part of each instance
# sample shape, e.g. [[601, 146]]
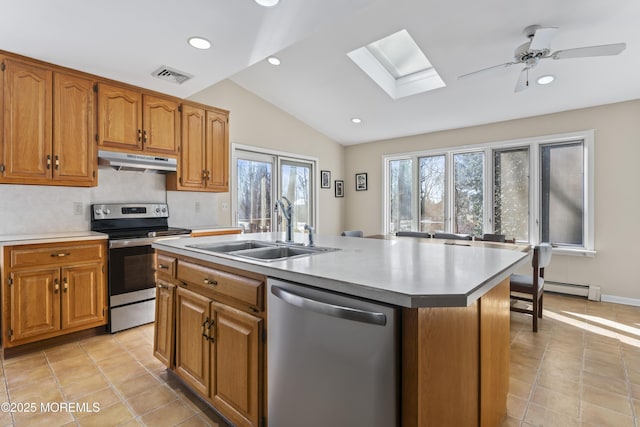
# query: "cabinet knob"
[[65, 285], [48, 161], [144, 136], [139, 135], [206, 281], [56, 286], [57, 162]]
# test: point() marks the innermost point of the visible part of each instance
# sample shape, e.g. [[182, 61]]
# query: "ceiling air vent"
[[171, 75]]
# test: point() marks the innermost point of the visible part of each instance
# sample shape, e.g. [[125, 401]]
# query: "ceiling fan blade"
[[583, 52], [505, 65], [542, 38], [523, 80]]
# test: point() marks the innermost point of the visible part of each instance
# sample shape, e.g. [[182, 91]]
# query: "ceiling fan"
[[538, 48]]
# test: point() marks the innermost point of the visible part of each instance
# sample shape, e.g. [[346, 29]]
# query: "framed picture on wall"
[[361, 181], [339, 188], [325, 179]]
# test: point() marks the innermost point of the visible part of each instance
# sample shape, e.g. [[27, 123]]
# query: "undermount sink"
[[261, 250], [227, 247]]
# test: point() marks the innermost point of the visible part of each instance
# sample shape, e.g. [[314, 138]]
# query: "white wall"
[[617, 181], [255, 122]]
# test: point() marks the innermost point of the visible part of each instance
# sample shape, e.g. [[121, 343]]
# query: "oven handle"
[[144, 241]]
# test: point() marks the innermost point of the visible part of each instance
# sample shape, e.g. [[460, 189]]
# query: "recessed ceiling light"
[[356, 120], [545, 80], [199, 42], [273, 60], [267, 3]]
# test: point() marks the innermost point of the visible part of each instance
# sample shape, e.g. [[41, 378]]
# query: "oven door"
[[131, 272]]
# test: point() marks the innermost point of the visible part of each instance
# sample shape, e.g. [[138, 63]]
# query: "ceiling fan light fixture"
[[267, 3], [199, 42], [546, 79], [273, 60]]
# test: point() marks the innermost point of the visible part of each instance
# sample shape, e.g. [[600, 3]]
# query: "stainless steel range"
[[132, 227]]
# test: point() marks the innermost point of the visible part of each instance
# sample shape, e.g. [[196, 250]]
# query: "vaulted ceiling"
[[316, 81]]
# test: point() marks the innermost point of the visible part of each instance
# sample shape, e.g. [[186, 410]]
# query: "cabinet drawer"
[[232, 285], [55, 255], [166, 265]]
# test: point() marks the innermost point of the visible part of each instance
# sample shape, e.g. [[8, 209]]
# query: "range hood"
[[137, 162]]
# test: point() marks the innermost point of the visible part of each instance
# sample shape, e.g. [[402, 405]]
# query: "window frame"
[[243, 151], [535, 205]]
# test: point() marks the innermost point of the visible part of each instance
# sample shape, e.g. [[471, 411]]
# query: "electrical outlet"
[[224, 206], [77, 208], [197, 207]]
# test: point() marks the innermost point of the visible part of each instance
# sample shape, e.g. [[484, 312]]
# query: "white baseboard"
[[566, 288], [621, 300]]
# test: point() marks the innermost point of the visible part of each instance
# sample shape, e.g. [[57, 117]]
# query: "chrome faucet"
[[310, 229], [287, 213]]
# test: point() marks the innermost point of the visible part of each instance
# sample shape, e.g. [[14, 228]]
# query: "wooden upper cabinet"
[[204, 157], [131, 121], [161, 125], [192, 164], [218, 151], [74, 154], [48, 127], [27, 146], [119, 117]]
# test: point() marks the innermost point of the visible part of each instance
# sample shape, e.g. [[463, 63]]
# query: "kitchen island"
[[454, 301]]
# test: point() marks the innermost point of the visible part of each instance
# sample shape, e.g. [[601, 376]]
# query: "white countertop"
[[25, 239], [403, 272]]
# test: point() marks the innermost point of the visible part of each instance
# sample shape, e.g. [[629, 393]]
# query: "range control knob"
[[106, 211], [164, 210], [157, 210], [97, 211]]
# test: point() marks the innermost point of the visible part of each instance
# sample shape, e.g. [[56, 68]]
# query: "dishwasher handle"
[[328, 309]]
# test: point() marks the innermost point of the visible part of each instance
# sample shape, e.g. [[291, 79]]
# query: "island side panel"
[[440, 366], [494, 354]]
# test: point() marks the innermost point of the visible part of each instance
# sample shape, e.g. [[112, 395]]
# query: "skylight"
[[397, 65]]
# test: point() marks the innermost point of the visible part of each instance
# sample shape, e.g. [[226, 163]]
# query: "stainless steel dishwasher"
[[332, 359]]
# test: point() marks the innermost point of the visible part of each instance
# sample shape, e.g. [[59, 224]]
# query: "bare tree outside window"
[[432, 191], [400, 195], [254, 195], [468, 192], [511, 193]]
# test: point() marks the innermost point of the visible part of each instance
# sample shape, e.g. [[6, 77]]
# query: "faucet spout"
[[287, 213]]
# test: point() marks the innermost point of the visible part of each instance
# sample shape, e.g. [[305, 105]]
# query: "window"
[[533, 190], [261, 178], [400, 209], [432, 191], [511, 192], [562, 191], [468, 193]]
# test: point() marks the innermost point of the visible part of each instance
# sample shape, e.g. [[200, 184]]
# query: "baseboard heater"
[[589, 291]]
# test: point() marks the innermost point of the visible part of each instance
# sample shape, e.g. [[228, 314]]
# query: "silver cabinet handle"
[[348, 313]]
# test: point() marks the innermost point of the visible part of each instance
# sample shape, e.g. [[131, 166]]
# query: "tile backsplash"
[[28, 209]]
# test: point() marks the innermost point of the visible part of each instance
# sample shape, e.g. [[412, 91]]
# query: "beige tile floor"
[[581, 369]]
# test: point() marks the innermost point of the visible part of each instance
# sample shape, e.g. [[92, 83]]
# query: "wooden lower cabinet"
[[235, 356], [216, 342], [163, 340], [52, 289], [192, 343], [35, 303]]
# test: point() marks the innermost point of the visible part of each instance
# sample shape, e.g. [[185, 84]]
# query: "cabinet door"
[[83, 296], [161, 125], [74, 157], [192, 167], [165, 320], [119, 118], [217, 151], [235, 364], [192, 345], [27, 123], [35, 303]]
